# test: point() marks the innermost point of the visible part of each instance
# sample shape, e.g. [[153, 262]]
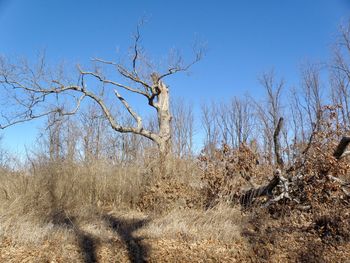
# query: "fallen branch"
[[284, 185], [342, 183], [248, 197], [338, 180]]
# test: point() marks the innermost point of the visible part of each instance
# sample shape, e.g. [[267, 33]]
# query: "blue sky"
[[244, 39]]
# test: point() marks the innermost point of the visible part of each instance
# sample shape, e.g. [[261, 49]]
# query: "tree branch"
[[124, 72], [130, 110], [179, 68], [30, 116], [248, 197], [106, 81], [136, 53]]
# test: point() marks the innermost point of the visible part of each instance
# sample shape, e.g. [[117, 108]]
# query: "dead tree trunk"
[[247, 198], [277, 144], [162, 106], [164, 120]]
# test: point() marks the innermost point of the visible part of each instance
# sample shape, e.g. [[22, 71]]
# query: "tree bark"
[[164, 122], [276, 141]]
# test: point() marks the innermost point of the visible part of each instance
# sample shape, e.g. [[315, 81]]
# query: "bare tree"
[[38, 92], [235, 121], [298, 122], [270, 111], [4, 156], [211, 130], [241, 116], [298, 116], [340, 75], [312, 94], [183, 128], [93, 132], [54, 137], [58, 140]]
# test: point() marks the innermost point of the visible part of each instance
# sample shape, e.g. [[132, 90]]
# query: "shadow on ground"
[[87, 243], [138, 251]]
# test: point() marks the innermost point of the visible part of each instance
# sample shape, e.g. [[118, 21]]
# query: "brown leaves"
[[227, 171]]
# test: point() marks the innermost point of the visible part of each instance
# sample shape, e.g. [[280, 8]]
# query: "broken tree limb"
[[276, 141], [247, 198], [338, 180], [284, 185], [342, 183], [341, 147]]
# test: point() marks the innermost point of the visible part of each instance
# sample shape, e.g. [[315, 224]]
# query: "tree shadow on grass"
[[138, 252], [87, 243]]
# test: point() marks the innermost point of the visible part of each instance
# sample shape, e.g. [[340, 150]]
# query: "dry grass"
[[64, 212], [93, 211], [32, 205], [219, 223]]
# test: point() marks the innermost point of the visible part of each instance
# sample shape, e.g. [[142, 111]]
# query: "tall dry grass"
[[104, 211], [51, 191], [47, 193]]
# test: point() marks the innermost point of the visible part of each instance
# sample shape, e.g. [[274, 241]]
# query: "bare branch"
[[179, 68], [130, 110], [107, 62], [30, 116], [112, 121], [124, 72], [136, 52], [106, 81]]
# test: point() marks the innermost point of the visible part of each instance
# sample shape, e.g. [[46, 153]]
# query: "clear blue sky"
[[244, 38]]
